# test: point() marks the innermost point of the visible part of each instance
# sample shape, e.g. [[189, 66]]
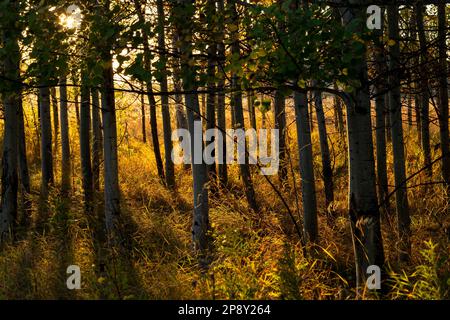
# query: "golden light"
[[72, 18]]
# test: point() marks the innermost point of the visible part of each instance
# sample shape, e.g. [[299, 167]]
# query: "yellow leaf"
[[101, 280], [391, 43], [301, 83], [253, 67]]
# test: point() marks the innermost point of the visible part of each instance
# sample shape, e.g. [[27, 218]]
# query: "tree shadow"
[[60, 229], [115, 271]]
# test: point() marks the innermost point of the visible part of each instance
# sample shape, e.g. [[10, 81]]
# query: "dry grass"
[[254, 255]]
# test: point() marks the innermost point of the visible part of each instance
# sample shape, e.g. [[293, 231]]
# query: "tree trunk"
[[150, 96], [143, 123], [401, 195], [96, 139], [55, 120], [443, 94], [280, 124], [327, 172], [179, 108], [380, 121], [221, 112], [424, 89], [339, 122], [11, 105], [239, 114], [65, 143], [46, 140], [251, 109], [77, 111], [167, 129], [23, 162], [110, 164], [85, 146], [363, 203], [211, 83], [200, 224], [306, 167]]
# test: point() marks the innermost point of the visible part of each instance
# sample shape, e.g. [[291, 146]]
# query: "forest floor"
[[254, 255]]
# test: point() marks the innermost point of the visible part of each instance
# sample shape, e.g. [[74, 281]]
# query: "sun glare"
[[72, 18]]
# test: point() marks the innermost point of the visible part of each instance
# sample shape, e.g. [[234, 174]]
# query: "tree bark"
[[200, 224], [401, 195], [23, 162], [46, 140], [55, 120], [363, 203], [424, 89], [306, 167], [443, 94], [380, 121], [150, 96], [96, 140], [327, 172], [85, 146], [143, 123], [111, 174], [221, 111], [11, 105], [65, 143], [211, 82], [239, 114], [167, 129], [280, 124], [251, 109], [339, 117]]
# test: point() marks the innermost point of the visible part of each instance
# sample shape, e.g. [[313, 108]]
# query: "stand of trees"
[[178, 52]]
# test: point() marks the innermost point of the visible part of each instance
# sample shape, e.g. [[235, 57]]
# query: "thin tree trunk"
[[380, 122], [339, 115], [150, 96], [398, 147], [221, 112], [55, 120], [46, 141], [280, 124], [443, 94], [200, 224], [85, 146], [239, 114], [306, 167], [111, 174], [179, 108], [77, 111], [97, 139], [110, 164], [23, 162], [424, 109], [251, 109], [143, 124], [211, 84], [327, 172], [167, 129], [65, 144]]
